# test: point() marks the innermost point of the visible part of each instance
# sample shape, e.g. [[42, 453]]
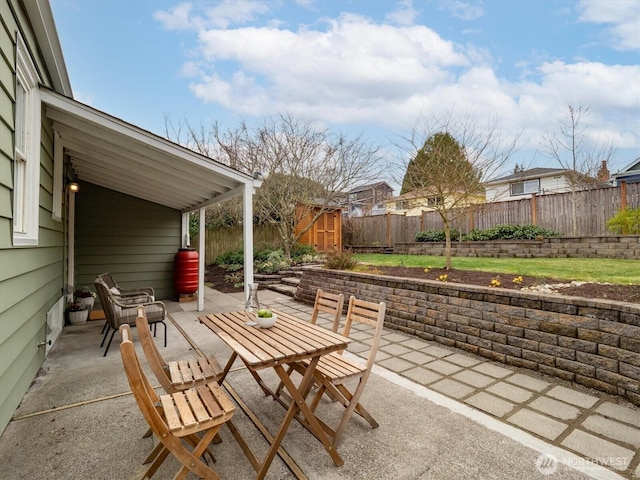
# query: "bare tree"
[[307, 169], [447, 160], [583, 160], [308, 172]]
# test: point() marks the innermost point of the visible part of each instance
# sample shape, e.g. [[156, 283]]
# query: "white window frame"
[[26, 178], [528, 187]]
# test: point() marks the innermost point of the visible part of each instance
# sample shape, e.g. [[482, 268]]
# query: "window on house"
[[526, 187], [434, 201], [26, 181]]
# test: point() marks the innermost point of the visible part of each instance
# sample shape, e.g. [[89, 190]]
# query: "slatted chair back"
[[174, 375], [331, 303], [195, 415], [367, 313]]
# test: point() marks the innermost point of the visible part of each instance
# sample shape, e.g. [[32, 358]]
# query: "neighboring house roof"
[[630, 173], [370, 186], [632, 167], [527, 174], [413, 194], [427, 194], [114, 154]]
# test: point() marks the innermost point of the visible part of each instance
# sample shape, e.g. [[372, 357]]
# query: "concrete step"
[[264, 279], [291, 281], [283, 289]]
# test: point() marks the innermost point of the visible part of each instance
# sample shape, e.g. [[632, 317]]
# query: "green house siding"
[[133, 239], [31, 279]]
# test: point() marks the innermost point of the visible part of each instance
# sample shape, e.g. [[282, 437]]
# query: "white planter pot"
[[86, 301], [78, 318]]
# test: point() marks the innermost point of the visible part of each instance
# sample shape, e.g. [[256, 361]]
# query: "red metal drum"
[[185, 271]]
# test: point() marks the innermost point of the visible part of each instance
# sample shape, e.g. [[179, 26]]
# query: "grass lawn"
[[581, 269]]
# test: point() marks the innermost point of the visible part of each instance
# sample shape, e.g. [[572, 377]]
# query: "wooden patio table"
[[289, 340]]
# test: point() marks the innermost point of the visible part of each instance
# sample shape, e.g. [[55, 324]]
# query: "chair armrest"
[[137, 291], [126, 313], [134, 299]]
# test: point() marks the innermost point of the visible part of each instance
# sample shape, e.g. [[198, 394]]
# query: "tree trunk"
[[447, 244]]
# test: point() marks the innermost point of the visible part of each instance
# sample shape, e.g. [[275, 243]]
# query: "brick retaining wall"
[[591, 342], [624, 247]]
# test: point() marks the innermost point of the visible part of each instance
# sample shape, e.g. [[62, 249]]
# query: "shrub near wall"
[[594, 343]]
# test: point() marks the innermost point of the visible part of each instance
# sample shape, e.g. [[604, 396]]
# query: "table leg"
[[299, 404], [227, 367]]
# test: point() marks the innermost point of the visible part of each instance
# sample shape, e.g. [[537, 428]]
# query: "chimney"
[[603, 172]]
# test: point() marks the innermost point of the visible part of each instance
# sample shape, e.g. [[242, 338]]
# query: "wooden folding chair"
[[175, 375], [192, 416], [331, 303], [333, 370]]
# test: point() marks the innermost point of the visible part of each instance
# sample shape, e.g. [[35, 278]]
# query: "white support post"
[[201, 238], [247, 224]]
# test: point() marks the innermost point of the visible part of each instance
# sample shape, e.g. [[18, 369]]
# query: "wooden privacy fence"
[[553, 212], [228, 239]]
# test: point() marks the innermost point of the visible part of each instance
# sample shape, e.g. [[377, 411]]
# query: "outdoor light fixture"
[[73, 187]]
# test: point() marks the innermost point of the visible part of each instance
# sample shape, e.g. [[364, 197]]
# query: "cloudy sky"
[[369, 67]]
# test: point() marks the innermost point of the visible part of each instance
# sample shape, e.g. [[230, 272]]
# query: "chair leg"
[[106, 332], [353, 405], [109, 344], [105, 326]]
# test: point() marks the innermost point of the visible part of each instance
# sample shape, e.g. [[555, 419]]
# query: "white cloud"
[[351, 70], [463, 10], [222, 15], [404, 15], [354, 61], [622, 15], [179, 18]]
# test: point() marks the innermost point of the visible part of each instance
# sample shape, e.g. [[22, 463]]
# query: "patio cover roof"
[[114, 154]]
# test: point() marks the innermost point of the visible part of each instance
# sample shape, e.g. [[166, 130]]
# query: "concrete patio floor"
[[443, 414]]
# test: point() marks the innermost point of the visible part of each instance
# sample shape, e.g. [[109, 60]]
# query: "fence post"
[[623, 195], [470, 217], [534, 210], [388, 229]]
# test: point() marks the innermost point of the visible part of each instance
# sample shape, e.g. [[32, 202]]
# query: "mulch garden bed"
[[217, 278]]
